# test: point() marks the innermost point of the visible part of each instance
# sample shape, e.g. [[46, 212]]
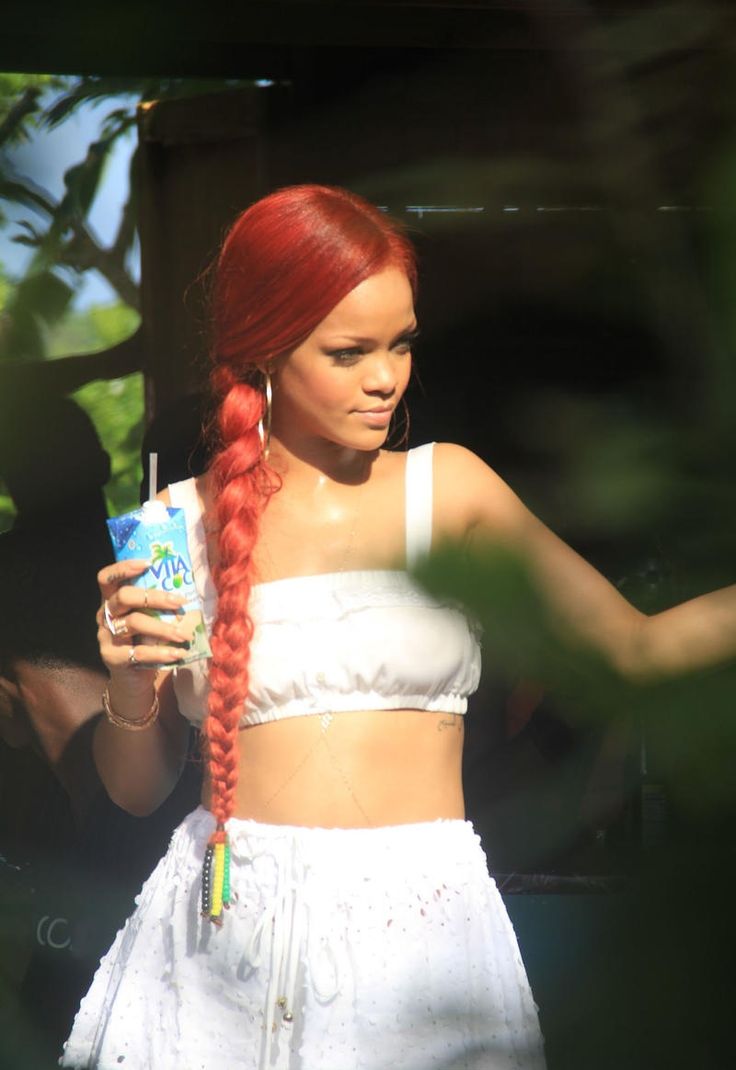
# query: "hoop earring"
[[264, 423], [400, 429]]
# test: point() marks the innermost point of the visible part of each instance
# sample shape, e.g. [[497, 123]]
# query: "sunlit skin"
[[341, 508], [333, 396]]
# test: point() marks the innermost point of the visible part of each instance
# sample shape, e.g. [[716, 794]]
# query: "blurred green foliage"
[[19, 103], [5, 288], [688, 721], [115, 406], [57, 229], [97, 327], [38, 320]]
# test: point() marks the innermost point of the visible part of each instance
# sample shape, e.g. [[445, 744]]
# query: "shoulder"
[[195, 489], [453, 459], [469, 494]]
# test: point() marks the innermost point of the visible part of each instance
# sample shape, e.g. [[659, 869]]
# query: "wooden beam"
[[259, 38]]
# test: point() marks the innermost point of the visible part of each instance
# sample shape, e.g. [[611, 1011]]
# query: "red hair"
[[284, 265]]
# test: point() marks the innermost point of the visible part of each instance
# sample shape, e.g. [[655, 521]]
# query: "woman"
[[362, 929]]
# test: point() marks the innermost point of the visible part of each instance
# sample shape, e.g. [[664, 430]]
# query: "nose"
[[381, 375]]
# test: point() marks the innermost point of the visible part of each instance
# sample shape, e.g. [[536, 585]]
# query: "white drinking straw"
[[152, 475]]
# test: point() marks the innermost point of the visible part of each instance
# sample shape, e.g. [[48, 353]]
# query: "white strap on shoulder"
[[418, 503], [183, 495]]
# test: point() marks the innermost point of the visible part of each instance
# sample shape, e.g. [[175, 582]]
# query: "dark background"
[[567, 173]]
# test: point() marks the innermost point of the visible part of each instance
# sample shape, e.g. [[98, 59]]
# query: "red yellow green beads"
[[216, 876]]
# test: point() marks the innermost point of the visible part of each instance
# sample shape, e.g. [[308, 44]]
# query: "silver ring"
[[132, 659], [109, 619]]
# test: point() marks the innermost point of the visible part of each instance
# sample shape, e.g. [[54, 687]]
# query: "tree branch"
[[66, 374], [82, 252]]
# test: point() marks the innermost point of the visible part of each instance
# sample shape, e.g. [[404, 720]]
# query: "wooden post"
[[201, 162]]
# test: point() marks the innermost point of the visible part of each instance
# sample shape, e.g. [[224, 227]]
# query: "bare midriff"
[[360, 769]]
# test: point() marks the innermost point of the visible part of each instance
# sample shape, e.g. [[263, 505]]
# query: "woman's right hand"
[[139, 765], [131, 639]]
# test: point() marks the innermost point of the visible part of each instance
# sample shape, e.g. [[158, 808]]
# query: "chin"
[[365, 439], [373, 439]]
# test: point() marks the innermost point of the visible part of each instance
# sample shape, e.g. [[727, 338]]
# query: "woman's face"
[[342, 384]]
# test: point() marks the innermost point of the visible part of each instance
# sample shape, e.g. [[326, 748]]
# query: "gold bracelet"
[[123, 722]]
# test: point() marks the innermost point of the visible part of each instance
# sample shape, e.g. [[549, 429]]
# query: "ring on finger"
[[132, 659], [109, 619]]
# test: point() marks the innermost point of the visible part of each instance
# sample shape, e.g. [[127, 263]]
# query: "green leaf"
[[36, 302], [15, 124], [115, 407], [113, 323], [21, 97], [22, 190], [5, 289], [92, 329], [86, 90]]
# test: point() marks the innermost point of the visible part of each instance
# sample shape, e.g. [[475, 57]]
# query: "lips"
[[378, 418]]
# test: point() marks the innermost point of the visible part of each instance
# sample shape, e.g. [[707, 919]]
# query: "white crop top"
[[338, 641]]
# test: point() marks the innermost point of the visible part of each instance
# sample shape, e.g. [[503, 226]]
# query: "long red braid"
[[285, 264]]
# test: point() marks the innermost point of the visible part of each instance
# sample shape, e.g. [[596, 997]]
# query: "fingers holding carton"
[[151, 614]]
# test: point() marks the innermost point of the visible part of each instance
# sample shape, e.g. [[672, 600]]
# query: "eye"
[[405, 343], [345, 356]]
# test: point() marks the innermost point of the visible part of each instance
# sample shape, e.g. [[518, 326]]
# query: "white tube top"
[[340, 641]]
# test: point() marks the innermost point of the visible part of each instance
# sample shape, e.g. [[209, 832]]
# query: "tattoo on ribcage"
[[455, 722]]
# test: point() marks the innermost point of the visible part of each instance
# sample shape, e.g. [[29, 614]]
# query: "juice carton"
[[159, 533]]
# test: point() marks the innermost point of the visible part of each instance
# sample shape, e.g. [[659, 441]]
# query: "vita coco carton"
[[157, 533]]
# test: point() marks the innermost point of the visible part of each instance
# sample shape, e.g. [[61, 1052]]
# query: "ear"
[[9, 692], [14, 727], [275, 364]]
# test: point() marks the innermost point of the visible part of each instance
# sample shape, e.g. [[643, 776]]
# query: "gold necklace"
[[321, 741], [327, 717]]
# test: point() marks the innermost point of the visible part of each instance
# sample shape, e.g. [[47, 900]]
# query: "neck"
[[314, 462]]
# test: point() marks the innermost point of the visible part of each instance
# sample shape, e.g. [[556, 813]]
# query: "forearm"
[[140, 768], [694, 635]]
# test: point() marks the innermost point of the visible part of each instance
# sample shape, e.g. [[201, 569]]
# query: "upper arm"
[[476, 505], [471, 499]]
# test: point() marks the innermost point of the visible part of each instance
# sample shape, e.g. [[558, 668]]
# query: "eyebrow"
[[410, 332]]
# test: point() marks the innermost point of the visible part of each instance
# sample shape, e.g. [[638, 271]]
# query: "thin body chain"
[[322, 741]]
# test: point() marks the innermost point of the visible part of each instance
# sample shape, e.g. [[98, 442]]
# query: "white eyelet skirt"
[[343, 949]]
